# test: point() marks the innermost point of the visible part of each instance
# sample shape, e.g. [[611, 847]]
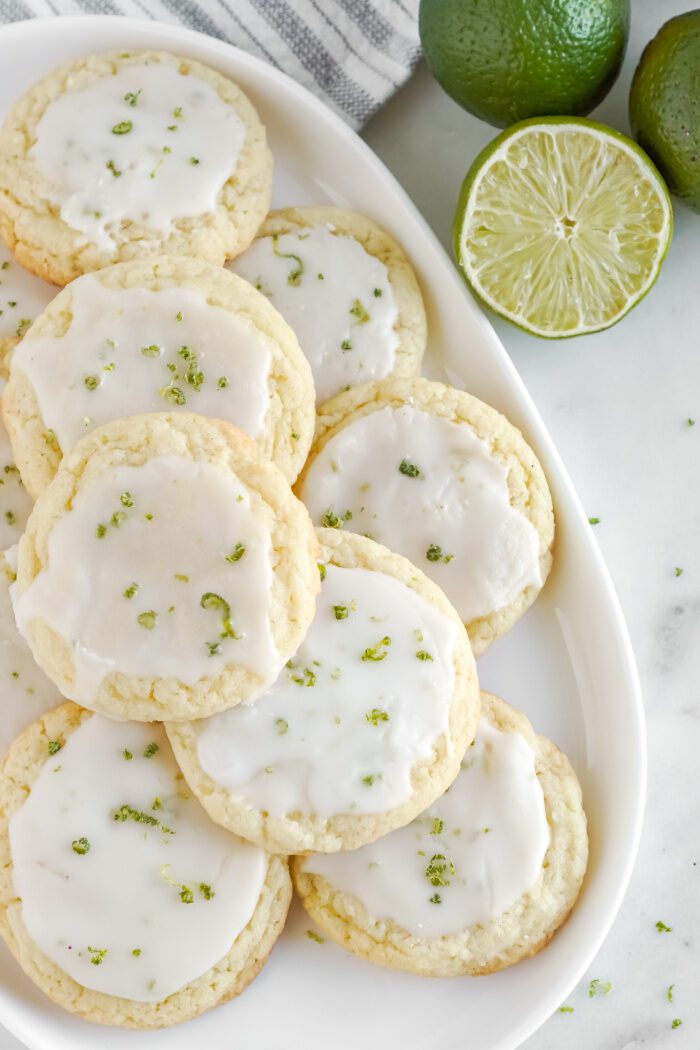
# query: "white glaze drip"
[[335, 296], [122, 895], [468, 858], [131, 351], [338, 733], [162, 158], [453, 519], [200, 513], [22, 295]]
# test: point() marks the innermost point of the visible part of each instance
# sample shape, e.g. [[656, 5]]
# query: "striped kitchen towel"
[[351, 53]]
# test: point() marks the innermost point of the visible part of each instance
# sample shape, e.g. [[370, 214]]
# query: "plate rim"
[[548, 1003]]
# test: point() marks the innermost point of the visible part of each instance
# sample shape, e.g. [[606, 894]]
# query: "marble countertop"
[[617, 405]]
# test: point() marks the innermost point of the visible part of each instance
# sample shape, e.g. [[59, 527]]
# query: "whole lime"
[[665, 105], [506, 60]]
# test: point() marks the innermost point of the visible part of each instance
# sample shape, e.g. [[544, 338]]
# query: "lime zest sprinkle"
[[295, 274]]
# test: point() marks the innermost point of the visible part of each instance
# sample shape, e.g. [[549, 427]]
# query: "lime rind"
[[562, 226]]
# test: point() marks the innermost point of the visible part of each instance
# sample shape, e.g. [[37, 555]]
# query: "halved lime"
[[562, 226]]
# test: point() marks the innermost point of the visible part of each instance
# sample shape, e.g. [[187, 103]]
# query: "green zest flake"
[[22, 327], [117, 518], [101, 531], [80, 846], [131, 590], [669, 992], [214, 648], [148, 517], [678, 571], [174, 394], [282, 726], [436, 899], [434, 553], [150, 750], [151, 351], [92, 382], [111, 166], [183, 579], [186, 895], [309, 678], [676, 1022], [222, 382], [123, 127], [594, 521], [97, 955], [49, 437], [321, 570], [330, 520], [128, 755], [438, 826], [132, 98], [346, 345], [423, 654], [357, 310], [321, 276], [194, 161], [341, 612], [194, 376], [596, 986], [313, 936], [178, 315], [369, 779], [375, 716], [126, 499], [690, 422], [378, 652], [10, 517], [206, 891], [295, 435], [157, 803], [172, 127], [377, 293], [663, 928], [566, 1009], [177, 112], [127, 812], [215, 601], [409, 469], [148, 619], [437, 870], [5, 265], [236, 554], [136, 952], [54, 746], [295, 274]]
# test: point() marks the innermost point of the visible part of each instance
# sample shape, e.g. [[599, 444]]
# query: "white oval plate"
[[568, 664]]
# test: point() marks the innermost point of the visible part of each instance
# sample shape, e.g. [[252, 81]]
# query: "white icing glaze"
[[25, 691], [343, 326], [200, 512], [448, 853], [459, 503], [173, 150], [337, 733], [22, 295], [124, 894], [125, 352], [15, 501]]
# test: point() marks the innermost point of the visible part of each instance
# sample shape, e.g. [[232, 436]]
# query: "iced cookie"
[[165, 334], [363, 729], [346, 288], [22, 297], [25, 691], [119, 897], [167, 571], [116, 156], [482, 879], [446, 481]]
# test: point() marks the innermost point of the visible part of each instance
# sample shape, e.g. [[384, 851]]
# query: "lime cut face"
[[562, 226]]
